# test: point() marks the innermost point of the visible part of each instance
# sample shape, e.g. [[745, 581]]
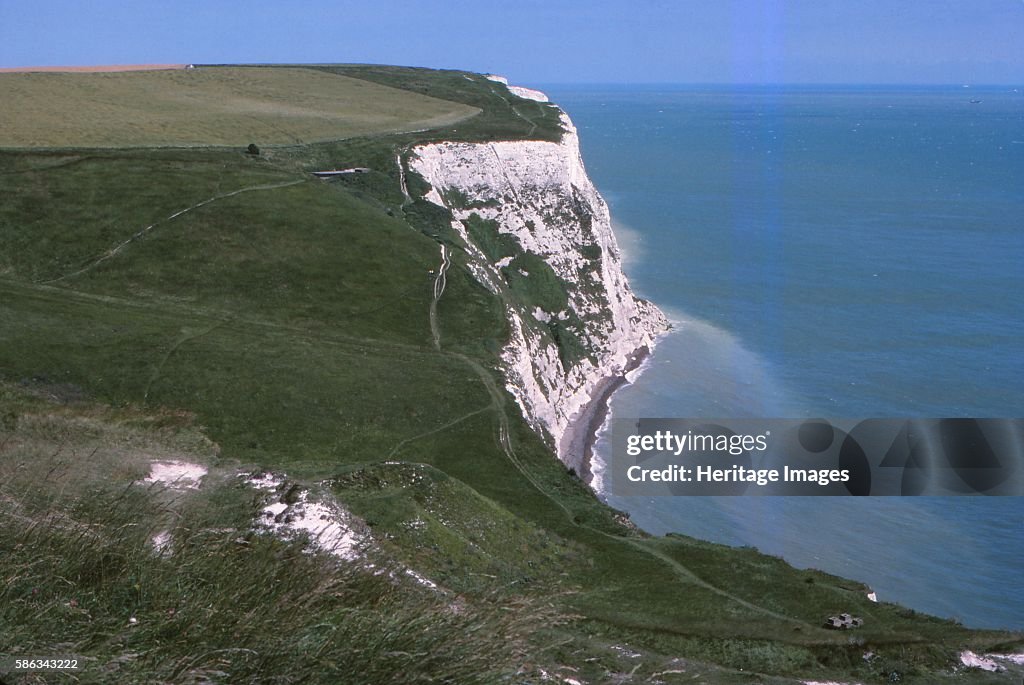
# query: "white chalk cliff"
[[539, 192]]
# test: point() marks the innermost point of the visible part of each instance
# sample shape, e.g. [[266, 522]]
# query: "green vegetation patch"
[[208, 106], [571, 348], [494, 244], [536, 282], [533, 283], [449, 531]]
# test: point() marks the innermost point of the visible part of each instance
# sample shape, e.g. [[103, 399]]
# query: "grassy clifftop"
[[208, 106], [231, 310]]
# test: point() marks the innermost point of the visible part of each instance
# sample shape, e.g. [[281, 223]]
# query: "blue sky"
[[550, 41]]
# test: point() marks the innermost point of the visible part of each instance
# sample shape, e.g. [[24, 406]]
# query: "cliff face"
[[539, 235]]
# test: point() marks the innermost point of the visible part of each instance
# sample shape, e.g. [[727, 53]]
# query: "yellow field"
[[206, 106]]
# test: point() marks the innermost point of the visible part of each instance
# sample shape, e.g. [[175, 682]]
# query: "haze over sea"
[[835, 252]]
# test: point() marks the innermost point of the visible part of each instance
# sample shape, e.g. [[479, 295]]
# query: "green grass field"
[[231, 310], [207, 106]]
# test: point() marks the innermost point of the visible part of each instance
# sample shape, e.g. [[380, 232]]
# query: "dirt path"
[[453, 422], [402, 183], [143, 232], [175, 312], [531, 122], [187, 337], [439, 285]]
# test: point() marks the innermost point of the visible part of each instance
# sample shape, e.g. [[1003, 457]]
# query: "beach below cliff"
[[577, 444]]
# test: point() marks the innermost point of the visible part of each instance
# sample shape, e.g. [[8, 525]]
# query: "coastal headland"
[[258, 425]]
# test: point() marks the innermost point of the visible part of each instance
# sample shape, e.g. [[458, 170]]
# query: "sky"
[[545, 41]]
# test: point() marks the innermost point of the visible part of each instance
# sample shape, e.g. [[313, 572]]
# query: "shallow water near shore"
[[846, 252]]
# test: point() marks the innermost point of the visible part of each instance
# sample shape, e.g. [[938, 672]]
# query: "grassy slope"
[[291, 321], [225, 605]]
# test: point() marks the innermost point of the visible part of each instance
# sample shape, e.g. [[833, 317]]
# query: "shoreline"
[[581, 434]]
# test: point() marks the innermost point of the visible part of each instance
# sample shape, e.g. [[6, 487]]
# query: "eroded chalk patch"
[[180, 475], [292, 513]]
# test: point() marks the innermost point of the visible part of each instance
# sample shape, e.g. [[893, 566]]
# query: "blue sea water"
[[829, 251]]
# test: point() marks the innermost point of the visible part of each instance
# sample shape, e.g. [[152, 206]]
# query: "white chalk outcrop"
[[539, 192], [292, 513], [175, 474], [525, 93], [972, 660]]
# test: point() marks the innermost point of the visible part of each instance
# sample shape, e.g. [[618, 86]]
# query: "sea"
[[828, 251]]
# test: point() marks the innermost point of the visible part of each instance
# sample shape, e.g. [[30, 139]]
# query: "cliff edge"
[[539, 235]]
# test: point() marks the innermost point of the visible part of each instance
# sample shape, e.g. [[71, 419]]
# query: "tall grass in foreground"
[[81, 577]]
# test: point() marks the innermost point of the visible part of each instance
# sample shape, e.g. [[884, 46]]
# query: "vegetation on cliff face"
[[228, 309]]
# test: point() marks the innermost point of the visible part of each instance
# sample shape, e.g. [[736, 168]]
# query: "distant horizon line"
[[124, 67], [781, 84]]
